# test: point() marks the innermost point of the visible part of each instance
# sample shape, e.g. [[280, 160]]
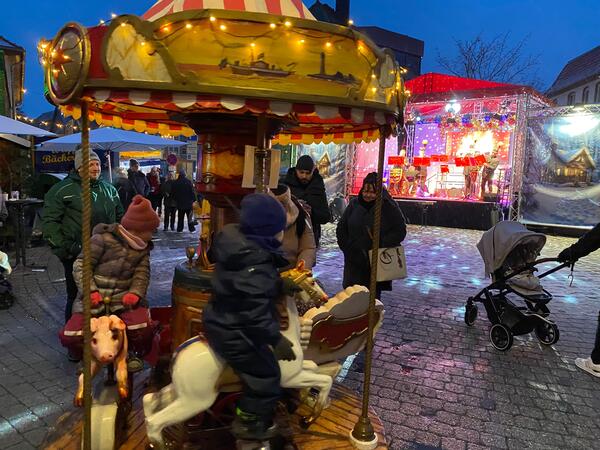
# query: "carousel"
[[237, 77]]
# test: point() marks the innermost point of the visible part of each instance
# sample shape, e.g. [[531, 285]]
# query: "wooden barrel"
[[190, 292]]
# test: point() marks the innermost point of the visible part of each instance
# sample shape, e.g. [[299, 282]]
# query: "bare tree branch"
[[496, 59]]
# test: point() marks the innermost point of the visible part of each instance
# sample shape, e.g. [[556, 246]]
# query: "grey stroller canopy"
[[507, 241]]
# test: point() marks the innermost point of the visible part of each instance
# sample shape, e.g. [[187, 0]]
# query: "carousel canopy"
[[290, 8], [269, 57]]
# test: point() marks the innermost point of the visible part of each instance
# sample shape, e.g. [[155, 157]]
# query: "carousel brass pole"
[[261, 153], [87, 269], [363, 429]]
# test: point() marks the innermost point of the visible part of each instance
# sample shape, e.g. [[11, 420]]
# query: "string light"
[[287, 23], [102, 22], [272, 25], [188, 26], [301, 41], [350, 22], [222, 27], [328, 44], [24, 91], [213, 18], [113, 15], [166, 28], [123, 24], [252, 44]]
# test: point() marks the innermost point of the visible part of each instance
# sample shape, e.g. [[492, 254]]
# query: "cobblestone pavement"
[[436, 383]]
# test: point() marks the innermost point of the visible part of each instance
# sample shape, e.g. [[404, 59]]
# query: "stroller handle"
[[545, 260]]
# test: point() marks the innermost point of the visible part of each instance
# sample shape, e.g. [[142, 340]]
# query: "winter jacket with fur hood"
[[298, 241], [120, 264]]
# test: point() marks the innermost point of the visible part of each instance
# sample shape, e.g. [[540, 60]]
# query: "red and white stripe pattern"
[[307, 114], [288, 8]]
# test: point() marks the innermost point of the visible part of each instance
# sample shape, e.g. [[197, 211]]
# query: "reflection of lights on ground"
[[454, 257], [465, 268], [475, 281], [345, 368], [569, 299], [460, 311]]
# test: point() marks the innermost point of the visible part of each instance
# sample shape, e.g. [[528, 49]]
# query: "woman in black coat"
[[355, 229]]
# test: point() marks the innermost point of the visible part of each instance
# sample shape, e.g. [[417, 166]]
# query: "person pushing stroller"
[[587, 244]]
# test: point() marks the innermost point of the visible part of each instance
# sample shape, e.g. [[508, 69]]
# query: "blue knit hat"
[[262, 215]]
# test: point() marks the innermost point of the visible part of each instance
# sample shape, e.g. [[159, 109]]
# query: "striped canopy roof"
[[290, 8]]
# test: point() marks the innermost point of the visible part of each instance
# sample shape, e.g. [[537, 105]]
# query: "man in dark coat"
[[307, 185], [355, 230], [61, 222], [587, 244], [241, 320], [138, 180], [184, 194]]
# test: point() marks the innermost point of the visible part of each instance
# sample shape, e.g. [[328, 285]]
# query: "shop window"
[[597, 93], [571, 98], [585, 96]]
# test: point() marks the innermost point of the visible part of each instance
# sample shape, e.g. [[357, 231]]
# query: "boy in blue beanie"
[[241, 322]]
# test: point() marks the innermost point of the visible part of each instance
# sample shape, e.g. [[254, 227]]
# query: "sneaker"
[[134, 364], [587, 365], [253, 428]]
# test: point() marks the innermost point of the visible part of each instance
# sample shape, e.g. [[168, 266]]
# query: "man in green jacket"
[[62, 217]]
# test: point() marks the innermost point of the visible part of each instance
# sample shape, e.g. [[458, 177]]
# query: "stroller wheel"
[[547, 333], [501, 337], [470, 314]]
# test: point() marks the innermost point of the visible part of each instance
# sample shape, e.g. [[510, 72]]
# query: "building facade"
[[12, 73], [579, 81], [408, 50]]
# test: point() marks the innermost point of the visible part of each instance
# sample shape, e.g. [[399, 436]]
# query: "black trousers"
[[180, 215], [170, 217], [596, 351], [255, 365], [71, 287]]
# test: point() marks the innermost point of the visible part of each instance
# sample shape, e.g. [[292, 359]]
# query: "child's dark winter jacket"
[[245, 284], [117, 267]]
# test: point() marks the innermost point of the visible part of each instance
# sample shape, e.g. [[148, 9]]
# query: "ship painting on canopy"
[[256, 66]]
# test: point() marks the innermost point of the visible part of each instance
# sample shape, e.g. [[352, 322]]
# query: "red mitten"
[[95, 298], [130, 299]]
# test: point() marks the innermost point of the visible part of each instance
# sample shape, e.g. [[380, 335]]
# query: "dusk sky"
[[558, 30]]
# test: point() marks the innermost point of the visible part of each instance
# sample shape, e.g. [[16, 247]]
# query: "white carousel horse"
[[196, 371]]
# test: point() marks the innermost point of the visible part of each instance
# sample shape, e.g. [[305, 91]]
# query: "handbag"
[[391, 263]]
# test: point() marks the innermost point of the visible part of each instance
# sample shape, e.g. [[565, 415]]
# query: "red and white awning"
[[152, 112], [289, 8]]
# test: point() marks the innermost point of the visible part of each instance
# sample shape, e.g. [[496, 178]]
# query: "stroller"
[[509, 251]]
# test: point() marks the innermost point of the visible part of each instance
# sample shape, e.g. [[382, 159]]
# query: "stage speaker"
[[492, 198]]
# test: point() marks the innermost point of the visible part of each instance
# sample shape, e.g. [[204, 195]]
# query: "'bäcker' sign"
[[60, 162]]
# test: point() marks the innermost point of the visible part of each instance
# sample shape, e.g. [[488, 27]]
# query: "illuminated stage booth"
[[453, 125]]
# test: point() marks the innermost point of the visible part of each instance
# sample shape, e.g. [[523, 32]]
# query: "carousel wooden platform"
[[330, 431]]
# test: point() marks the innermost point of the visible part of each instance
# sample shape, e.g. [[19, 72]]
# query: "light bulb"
[[327, 44], [123, 24], [272, 25], [223, 27], [213, 18], [287, 23], [252, 44], [350, 22], [113, 15], [102, 22], [166, 28], [188, 26], [301, 41]]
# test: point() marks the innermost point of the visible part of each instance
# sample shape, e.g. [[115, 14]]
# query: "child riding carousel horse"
[[120, 255]]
